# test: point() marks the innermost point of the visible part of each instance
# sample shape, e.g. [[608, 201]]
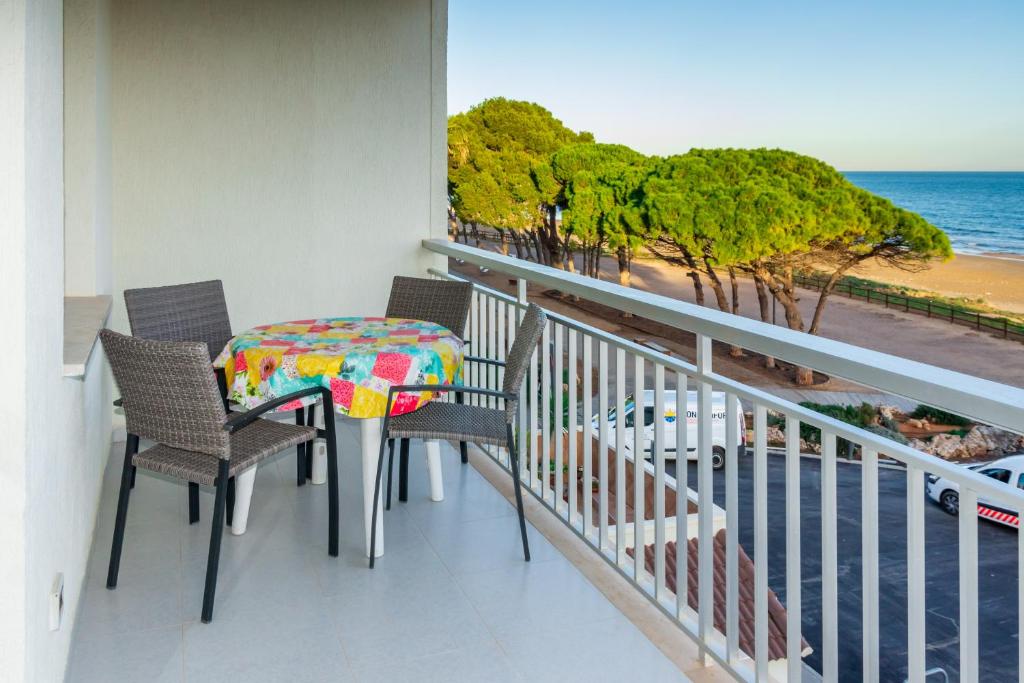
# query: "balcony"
[[820, 566], [297, 151]]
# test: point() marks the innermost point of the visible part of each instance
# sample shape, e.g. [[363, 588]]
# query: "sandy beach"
[[998, 279]]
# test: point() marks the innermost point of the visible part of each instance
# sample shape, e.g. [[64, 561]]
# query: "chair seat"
[[249, 445], [451, 422]]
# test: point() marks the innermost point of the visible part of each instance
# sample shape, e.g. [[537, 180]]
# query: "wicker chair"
[[170, 396], [459, 422], [445, 303], [197, 311]]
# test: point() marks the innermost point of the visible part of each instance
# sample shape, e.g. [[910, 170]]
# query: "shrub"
[[939, 416]]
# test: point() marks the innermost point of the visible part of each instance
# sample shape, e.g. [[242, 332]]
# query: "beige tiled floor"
[[451, 600]]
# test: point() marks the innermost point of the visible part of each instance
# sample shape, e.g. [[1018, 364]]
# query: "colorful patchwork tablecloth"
[[358, 359]]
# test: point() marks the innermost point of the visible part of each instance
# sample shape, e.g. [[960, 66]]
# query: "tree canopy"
[[764, 212], [497, 151]]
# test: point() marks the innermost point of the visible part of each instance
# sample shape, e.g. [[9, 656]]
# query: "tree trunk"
[[537, 247], [781, 288], [476, 234], [624, 271], [554, 241], [764, 304], [735, 291], [722, 300], [503, 241], [698, 287], [823, 295]]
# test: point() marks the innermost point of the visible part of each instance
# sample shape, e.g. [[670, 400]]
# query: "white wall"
[[56, 431], [293, 150], [13, 233], [87, 192]]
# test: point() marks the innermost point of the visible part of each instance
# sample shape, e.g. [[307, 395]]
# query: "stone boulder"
[[890, 412], [984, 440], [776, 436]]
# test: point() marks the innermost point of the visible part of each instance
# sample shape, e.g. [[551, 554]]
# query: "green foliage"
[[597, 186], [860, 416], [939, 416], [892, 434], [497, 153]]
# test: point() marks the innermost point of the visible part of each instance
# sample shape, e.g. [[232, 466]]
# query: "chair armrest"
[[240, 420], [487, 361], [418, 388]]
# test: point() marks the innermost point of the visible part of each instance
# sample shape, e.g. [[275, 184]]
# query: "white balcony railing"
[[568, 342]]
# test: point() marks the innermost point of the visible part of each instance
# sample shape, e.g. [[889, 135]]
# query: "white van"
[[670, 417]]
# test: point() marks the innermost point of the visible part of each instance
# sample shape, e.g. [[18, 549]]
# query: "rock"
[[806, 447], [776, 435], [889, 412], [985, 440], [947, 447], [917, 424]]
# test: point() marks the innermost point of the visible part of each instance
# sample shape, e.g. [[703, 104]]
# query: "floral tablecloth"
[[358, 359]]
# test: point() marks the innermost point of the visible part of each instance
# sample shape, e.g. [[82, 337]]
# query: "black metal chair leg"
[[310, 422], [391, 462], [403, 471], [514, 457], [193, 503], [376, 491], [300, 450], [332, 476], [216, 533], [230, 500], [131, 447], [463, 449], [133, 478]]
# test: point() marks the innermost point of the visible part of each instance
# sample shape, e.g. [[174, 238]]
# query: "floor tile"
[[580, 653], [535, 597], [153, 656]]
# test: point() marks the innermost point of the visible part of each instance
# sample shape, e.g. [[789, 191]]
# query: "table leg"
[[319, 448], [433, 449], [244, 482], [370, 428]]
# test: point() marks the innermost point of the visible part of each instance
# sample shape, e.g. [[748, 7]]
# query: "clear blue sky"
[[897, 85]]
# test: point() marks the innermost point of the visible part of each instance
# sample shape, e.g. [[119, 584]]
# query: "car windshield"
[[998, 473]]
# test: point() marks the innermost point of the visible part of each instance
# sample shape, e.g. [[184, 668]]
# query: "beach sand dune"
[[996, 278]]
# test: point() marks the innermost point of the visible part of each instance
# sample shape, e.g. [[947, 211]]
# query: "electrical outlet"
[[57, 601]]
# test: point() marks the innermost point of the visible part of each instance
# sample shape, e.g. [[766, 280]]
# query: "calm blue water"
[[981, 212]]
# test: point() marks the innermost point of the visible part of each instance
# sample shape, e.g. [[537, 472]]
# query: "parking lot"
[[997, 571]]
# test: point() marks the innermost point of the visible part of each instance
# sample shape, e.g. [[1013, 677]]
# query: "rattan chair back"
[[196, 311], [169, 391], [442, 302], [518, 360]]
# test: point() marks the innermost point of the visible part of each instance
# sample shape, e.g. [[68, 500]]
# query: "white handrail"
[[980, 399]]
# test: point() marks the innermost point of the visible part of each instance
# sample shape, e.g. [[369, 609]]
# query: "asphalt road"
[[997, 550]]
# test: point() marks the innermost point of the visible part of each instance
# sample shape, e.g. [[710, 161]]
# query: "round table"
[[358, 359]]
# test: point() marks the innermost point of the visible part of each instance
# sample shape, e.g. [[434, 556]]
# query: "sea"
[[983, 213]]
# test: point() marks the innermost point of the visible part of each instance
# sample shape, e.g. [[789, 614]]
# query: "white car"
[[671, 419], [1008, 470]]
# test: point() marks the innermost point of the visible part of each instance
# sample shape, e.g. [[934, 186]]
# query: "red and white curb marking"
[[998, 516]]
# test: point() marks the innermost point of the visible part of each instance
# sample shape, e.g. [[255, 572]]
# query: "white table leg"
[[244, 482], [370, 428], [433, 449], [319, 448]]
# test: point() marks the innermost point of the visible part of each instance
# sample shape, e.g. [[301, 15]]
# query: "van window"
[[648, 417], [1020, 481], [998, 473]]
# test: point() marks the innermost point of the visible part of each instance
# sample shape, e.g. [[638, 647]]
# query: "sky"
[[870, 86]]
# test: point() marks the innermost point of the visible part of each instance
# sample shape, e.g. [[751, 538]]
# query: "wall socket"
[[57, 601]]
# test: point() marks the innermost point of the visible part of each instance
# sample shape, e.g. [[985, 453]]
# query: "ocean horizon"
[[981, 211]]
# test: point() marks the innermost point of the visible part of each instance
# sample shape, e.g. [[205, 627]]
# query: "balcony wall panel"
[[286, 148]]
